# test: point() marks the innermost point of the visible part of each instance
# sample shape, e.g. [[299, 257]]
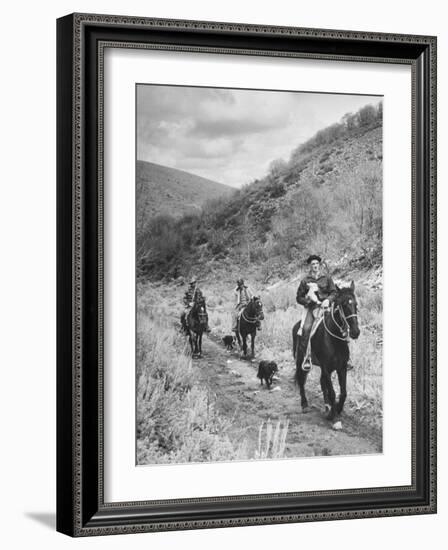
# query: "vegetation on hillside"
[[327, 197], [166, 191]]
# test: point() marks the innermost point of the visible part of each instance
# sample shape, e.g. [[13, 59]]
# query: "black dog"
[[266, 371], [228, 341]]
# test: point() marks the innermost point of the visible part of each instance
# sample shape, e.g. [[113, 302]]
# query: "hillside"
[[164, 190], [326, 198]]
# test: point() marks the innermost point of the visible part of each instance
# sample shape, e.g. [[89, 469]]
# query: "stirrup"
[[307, 364]]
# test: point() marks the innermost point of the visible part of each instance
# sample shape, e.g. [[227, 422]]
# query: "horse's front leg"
[[196, 348], [301, 376], [200, 344], [252, 343], [244, 337], [342, 378], [331, 395], [323, 385], [238, 338], [190, 339]]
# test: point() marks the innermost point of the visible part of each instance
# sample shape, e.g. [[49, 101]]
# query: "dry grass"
[[177, 419], [272, 440]]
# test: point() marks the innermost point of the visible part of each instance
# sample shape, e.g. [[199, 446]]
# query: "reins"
[[250, 320], [344, 319]]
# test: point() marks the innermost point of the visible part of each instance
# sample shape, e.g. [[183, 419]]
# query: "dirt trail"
[[240, 397]]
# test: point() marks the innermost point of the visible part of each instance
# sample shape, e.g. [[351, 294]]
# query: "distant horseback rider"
[[243, 295], [316, 293], [191, 296]]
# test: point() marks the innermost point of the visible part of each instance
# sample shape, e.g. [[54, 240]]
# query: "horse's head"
[[257, 308], [198, 295], [199, 300], [346, 302]]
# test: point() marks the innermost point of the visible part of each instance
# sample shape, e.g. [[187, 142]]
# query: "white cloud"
[[231, 136]]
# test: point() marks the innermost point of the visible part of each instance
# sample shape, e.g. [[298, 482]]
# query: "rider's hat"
[[192, 280], [313, 257], [240, 281]]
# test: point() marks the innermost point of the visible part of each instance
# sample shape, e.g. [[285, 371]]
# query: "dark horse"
[[330, 349], [196, 325], [247, 324]]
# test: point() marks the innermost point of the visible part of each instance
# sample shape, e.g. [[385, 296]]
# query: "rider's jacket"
[[242, 296], [325, 285]]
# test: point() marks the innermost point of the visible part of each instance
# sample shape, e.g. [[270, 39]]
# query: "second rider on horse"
[[243, 295]]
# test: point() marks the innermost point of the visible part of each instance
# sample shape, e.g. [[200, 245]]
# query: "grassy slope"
[[266, 201], [264, 226], [161, 189]]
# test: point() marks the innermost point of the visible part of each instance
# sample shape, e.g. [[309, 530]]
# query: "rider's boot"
[[305, 344], [307, 362]]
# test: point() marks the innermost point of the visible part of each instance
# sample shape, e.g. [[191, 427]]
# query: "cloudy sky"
[[231, 136]]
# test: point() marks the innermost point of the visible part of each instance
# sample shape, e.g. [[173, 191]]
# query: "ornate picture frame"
[[81, 506]]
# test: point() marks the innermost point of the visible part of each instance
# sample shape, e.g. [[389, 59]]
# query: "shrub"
[[276, 189], [176, 418], [367, 115]]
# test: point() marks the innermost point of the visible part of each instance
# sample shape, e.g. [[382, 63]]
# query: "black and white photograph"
[[259, 274], [222, 241]]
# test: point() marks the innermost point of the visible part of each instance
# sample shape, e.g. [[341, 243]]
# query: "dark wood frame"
[[81, 39]]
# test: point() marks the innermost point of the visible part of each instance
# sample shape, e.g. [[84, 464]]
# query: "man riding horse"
[[191, 296], [243, 295], [316, 293]]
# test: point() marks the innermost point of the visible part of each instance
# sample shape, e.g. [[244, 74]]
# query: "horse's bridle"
[[200, 312], [250, 320], [339, 309]]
